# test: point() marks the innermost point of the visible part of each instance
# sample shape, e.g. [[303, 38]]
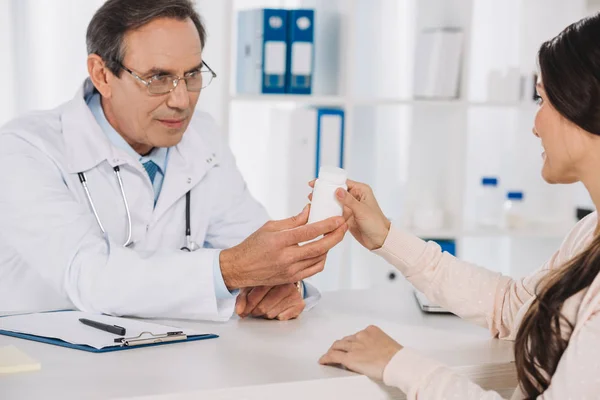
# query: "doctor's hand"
[[281, 302], [368, 352], [366, 221], [271, 256]]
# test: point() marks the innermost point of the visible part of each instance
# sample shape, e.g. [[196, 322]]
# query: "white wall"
[[214, 98], [49, 48], [7, 67], [43, 53]]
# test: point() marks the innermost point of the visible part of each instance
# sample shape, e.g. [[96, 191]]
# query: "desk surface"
[[251, 352]]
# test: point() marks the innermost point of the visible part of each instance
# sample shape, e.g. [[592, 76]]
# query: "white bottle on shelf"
[[514, 213], [489, 203], [428, 216], [324, 202]]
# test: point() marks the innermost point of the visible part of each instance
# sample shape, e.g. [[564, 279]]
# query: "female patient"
[[554, 314]]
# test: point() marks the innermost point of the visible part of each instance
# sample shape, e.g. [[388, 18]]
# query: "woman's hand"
[[368, 352], [366, 221]]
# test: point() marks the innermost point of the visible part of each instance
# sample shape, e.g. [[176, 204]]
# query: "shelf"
[[449, 234], [442, 234], [407, 102], [440, 102], [291, 99], [340, 100], [375, 101], [501, 104], [534, 232]]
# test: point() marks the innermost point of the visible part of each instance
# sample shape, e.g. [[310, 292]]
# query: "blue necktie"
[[151, 168]]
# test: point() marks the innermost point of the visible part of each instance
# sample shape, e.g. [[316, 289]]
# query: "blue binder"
[[447, 245], [330, 138], [261, 51], [274, 50], [300, 51]]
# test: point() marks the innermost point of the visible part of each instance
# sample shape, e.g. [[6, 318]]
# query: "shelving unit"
[[295, 99], [373, 102], [410, 150], [551, 233], [405, 148]]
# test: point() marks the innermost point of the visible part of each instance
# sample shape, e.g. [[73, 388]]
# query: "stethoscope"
[[190, 245]]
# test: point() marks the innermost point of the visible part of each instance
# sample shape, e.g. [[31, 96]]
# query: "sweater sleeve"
[[491, 300], [484, 297], [576, 375]]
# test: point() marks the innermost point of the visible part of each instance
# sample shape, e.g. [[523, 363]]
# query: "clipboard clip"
[[151, 338]]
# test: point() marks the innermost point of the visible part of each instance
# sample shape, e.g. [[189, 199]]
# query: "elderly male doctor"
[[124, 201]]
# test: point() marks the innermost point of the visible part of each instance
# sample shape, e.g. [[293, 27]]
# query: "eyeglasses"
[[162, 84]]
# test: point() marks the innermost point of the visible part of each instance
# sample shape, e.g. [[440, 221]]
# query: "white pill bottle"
[[324, 201]]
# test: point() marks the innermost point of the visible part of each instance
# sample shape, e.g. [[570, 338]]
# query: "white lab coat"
[[52, 252]]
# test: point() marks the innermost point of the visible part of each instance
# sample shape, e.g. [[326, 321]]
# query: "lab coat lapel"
[[87, 146], [188, 164]]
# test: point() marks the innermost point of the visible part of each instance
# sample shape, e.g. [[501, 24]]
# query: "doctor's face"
[[162, 47]]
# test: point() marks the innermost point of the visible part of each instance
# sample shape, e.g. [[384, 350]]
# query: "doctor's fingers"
[[292, 312], [253, 296], [289, 271], [311, 231], [321, 246], [269, 306], [275, 304], [309, 271], [257, 296], [289, 223], [306, 265], [241, 301]]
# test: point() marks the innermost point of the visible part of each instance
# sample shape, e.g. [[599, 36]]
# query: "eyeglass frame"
[[178, 78]]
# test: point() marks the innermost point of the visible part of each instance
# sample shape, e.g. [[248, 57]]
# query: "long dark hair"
[[570, 71]]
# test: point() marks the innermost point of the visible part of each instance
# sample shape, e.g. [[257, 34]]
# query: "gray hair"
[[107, 28]]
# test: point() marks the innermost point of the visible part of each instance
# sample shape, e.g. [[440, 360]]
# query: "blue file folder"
[[300, 51], [330, 138], [262, 49]]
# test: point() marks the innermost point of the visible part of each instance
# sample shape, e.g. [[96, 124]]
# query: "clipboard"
[[62, 343], [158, 335]]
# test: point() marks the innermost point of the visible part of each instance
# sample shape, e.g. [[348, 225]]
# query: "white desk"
[[251, 352]]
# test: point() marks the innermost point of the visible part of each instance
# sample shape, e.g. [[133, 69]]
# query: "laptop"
[[428, 306]]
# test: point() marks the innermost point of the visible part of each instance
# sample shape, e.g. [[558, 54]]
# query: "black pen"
[[117, 330]]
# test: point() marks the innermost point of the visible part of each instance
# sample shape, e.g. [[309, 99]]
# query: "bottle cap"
[[334, 175], [514, 195], [489, 181]]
